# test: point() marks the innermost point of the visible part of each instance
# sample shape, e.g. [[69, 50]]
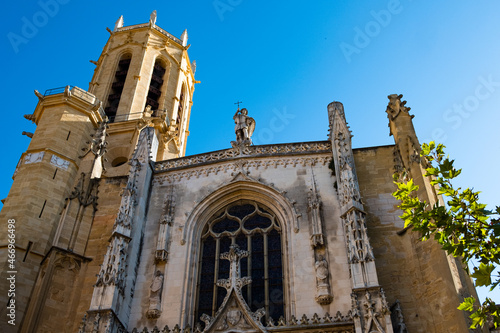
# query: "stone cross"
[[235, 280]]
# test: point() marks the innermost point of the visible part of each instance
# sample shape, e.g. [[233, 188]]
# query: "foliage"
[[463, 227]]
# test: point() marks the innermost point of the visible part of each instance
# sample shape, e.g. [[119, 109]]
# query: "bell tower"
[[65, 183], [144, 78]]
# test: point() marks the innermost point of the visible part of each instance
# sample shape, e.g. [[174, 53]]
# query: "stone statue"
[[321, 271], [244, 127], [323, 295], [155, 296], [147, 111], [157, 285]]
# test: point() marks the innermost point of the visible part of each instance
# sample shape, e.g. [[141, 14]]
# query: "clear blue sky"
[[286, 60]]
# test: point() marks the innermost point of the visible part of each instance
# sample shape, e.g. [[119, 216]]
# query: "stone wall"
[[415, 273], [197, 192]]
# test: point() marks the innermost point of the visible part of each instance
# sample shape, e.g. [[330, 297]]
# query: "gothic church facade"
[[118, 231]]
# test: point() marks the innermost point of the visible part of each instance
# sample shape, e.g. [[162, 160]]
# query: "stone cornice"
[[279, 150], [123, 126], [79, 99], [207, 169], [154, 27]]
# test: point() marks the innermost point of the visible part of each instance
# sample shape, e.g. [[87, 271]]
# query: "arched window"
[[255, 229], [117, 86], [155, 85]]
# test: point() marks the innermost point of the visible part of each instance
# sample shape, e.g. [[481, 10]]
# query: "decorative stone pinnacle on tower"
[[152, 18], [184, 37], [119, 23]]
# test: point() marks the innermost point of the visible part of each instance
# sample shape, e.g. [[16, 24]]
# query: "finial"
[[119, 23], [184, 37], [152, 18]]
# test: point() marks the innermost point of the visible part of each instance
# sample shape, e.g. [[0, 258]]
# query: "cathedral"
[[109, 227]]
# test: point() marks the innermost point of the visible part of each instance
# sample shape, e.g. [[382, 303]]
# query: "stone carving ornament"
[[370, 314], [155, 296], [313, 207], [396, 106], [323, 295], [244, 127], [227, 154], [111, 278], [166, 221], [33, 157], [407, 144], [112, 270], [59, 162], [177, 176], [234, 313]]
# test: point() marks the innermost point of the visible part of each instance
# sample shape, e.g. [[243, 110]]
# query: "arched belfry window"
[[117, 86], [155, 85], [255, 229]]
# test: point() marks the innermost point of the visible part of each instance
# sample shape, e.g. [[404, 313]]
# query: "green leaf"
[[467, 304], [483, 274], [464, 227]]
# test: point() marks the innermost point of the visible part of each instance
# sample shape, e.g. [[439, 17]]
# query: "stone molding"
[[155, 27], [301, 148], [326, 324], [236, 166], [79, 99]]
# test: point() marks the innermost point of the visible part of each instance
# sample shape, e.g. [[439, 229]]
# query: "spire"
[[184, 37], [119, 23]]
